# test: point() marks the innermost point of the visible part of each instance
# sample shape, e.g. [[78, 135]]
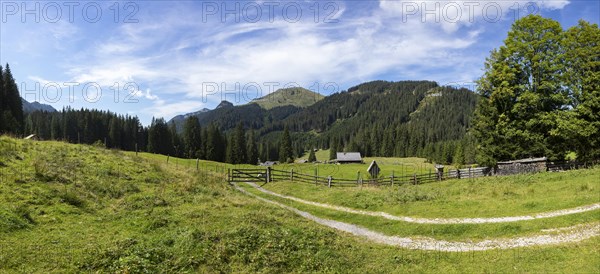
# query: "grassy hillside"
[[299, 97], [76, 208]]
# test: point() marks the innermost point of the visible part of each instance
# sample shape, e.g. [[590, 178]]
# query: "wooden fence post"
[[168, 158], [316, 175], [457, 173], [415, 178], [198, 163], [329, 181], [292, 175], [392, 178], [268, 177]]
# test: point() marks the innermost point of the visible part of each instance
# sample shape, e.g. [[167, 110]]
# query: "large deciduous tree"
[[581, 126], [531, 90]]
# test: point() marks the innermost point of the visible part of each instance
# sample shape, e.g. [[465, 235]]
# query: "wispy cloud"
[[175, 54]]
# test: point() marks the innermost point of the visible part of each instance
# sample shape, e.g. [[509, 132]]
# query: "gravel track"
[[388, 216], [558, 236]]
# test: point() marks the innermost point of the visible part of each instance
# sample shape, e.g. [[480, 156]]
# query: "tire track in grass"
[[567, 235], [417, 220]]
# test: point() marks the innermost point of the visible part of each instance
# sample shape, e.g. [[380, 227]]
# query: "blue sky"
[[164, 58]]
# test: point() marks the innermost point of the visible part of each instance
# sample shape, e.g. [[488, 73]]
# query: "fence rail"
[[270, 175]]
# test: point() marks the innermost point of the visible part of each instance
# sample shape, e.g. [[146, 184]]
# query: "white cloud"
[[553, 4], [452, 15], [176, 54], [40, 80], [149, 96], [162, 109]]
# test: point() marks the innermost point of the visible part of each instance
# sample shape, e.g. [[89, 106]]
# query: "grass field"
[[77, 208], [482, 197], [444, 231], [397, 166]]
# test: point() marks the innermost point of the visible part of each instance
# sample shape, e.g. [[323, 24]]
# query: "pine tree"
[[252, 149], [216, 144], [114, 133], [312, 157], [178, 145], [55, 130], [13, 111], [333, 148], [204, 139], [236, 146], [229, 154], [192, 137], [159, 137], [285, 147], [459, 155]]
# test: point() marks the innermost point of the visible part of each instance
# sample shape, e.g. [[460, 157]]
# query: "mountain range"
[[410, 114], [33, 106], [256, 113]]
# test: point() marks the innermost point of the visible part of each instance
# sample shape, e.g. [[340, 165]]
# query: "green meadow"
[[68, 208]]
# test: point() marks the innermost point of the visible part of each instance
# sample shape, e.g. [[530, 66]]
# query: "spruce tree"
[[13, 111], [239, 145], [459, 155], [114, 133], [192, 137], [311, 156], [252, 149], [285, 147], [229, 154], [216, 144], [178, 145], [159, 137], [55, 130], [333, 148]]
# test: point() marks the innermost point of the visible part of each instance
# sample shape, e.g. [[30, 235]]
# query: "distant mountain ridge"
[[276, 105], [36, 106], [418, 108], [296, 96]]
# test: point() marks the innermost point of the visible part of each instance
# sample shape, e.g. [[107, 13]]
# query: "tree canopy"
[[540, 93]]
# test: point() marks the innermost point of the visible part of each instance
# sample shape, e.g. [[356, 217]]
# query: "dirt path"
[[388, 216], [565, 235]]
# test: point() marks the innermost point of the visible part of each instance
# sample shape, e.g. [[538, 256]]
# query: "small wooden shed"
[[374, 169]]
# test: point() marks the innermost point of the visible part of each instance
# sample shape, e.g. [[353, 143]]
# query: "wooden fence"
[[569, 165], [255, 175], [270, 175]]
